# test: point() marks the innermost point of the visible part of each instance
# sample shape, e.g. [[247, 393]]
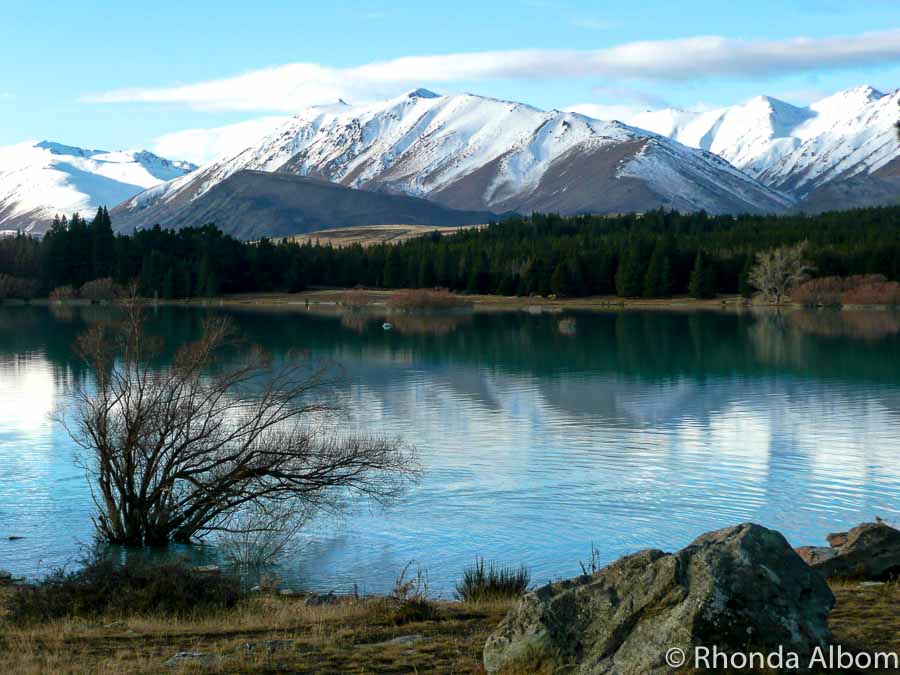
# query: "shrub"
[[494, 583], [17, 287], [354, 299], [409, 598], [830, 291], [101, 289], [62, 293], [104, 587], [423, 298], [884, 293]]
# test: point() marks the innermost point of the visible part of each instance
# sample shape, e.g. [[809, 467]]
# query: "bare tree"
[[175, 450], [258, 535], [778, 270]]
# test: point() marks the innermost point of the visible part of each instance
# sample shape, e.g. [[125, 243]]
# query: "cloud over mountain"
[[293, 86]]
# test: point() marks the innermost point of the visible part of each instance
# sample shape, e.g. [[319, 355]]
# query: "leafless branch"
[[177, 450]]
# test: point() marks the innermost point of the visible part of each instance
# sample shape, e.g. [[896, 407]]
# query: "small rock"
[[286, 592], [871, 552], [405, 640], [815, 555], [207, 569], [184, 658], [836, 539], [255, 589], [319, 599]]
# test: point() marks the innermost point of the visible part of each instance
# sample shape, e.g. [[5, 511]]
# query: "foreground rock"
[[868, 551], [192, 659], [740, 589]]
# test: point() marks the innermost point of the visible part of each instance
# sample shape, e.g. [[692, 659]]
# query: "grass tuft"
[[480, 584]]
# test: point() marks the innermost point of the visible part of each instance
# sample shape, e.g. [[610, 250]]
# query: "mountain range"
[[836, 153], [40, 180], [477, 153], [481, 156]]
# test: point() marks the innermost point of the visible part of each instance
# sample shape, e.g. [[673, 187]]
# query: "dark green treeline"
[[656, 254]]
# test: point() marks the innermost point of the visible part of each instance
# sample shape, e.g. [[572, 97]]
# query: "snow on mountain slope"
[[798, 150], [40, 180], [472, 152]]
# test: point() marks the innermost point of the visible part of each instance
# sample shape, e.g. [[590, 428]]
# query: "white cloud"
[[203, 145], [297, 85]]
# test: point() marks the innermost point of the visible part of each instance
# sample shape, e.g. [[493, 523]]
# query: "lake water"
[[540, 434]]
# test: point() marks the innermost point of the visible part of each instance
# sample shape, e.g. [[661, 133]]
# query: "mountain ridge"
[[39, 180], [800, 150], [477, 153], [254, 204]]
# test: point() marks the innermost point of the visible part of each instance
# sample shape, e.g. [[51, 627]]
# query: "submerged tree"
[[778, 270], [179, 450]]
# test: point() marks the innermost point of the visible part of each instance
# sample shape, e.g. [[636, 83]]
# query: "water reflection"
[[540, 433]]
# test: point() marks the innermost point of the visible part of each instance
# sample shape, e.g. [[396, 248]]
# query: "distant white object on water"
[[386, 325]]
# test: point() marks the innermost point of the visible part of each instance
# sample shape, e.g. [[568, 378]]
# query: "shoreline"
[[331, 300]]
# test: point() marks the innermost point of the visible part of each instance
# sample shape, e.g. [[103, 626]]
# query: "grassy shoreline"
[[353, 636], [329, 300]]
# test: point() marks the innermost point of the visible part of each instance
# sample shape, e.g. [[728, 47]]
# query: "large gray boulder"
[[741, 589], [869, 551]]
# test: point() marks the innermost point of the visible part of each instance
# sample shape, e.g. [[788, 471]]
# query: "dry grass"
[[425, 299], [346, 638], [371, 234]]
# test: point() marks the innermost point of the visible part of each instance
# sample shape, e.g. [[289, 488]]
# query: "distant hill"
[[255, 204], [41, 180], [369, 235]]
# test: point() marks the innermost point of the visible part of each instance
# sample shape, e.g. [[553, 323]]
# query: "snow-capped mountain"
[[40, 180], [805, 151], [471, 152]]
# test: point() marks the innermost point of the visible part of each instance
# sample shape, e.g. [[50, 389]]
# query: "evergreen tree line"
[[656, 254]]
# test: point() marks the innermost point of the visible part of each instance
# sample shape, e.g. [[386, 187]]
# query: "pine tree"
[[558, 281], [103, 244], [426, 272], [744, 287], [657, 280], [393, 269], [702, 284], [629, 275], [168, 286], [296, 276]]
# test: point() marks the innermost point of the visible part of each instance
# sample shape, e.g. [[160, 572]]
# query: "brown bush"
[[831, 291], [17, 287], [62, 293], [354, 299], [884, 293], [101, 289], [424, 298]]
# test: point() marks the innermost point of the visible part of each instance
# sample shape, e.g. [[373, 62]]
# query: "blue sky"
[[120, 75]]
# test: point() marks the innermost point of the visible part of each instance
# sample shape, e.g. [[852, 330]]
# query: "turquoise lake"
[[540, 434]]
